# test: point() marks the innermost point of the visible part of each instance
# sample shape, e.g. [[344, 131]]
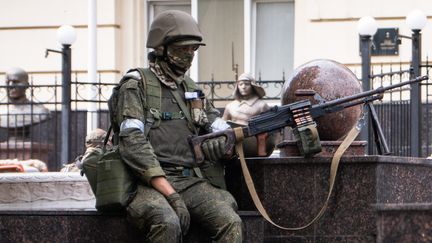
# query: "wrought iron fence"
[[394, 110], [42, 139], [25, 134], [427, 110], [219, 92]]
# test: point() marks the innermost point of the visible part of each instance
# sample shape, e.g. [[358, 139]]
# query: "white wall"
[[323, 29], [328, 28], [28, 27]]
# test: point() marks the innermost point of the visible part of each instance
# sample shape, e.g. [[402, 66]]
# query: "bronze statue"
[[20, 111], [248, 103]]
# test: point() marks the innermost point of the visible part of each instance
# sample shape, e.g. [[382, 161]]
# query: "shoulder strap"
[[333, 172], [153, 95], [190, 84], [184, 108], [152, 88]]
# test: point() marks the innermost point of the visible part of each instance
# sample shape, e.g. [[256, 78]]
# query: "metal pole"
[[415, 102], [66, 104], [92, 115], [365, 50], [194, 67]]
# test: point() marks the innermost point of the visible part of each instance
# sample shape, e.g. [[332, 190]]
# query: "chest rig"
[[151, 88], [153, 102]]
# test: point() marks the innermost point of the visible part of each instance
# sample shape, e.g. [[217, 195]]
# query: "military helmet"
[[95, 138], [174, 26], [17, 74]]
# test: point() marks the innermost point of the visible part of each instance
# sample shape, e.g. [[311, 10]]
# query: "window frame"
[[253, 31]]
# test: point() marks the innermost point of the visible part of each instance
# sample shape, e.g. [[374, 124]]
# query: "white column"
[[92, 64], [194, 68], [247, 36]]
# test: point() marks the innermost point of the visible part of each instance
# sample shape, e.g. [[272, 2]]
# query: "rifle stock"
[[293, 115]]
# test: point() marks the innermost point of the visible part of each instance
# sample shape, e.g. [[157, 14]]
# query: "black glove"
[[214, 148], [180, 208]]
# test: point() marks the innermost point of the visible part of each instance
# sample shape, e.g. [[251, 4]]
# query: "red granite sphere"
[[331, 80]]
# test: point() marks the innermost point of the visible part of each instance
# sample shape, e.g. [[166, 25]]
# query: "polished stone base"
[[92, 226], [375, 199], [294, 189]]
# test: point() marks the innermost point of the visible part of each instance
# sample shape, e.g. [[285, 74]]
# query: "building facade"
[[266, 37]]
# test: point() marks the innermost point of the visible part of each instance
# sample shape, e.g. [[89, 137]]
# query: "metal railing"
[[395, 113], [43, 140]]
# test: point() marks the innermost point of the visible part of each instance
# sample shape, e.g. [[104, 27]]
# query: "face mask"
[[181, 56]]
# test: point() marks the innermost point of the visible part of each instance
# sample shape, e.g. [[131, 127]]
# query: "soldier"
[[94, 142], [20, 111], [155, 113]]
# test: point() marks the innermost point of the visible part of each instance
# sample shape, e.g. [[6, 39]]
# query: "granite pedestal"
[[59, 207], [293, 189], [375, 199]]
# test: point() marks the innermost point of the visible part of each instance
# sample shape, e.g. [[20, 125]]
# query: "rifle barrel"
[[370, 92]]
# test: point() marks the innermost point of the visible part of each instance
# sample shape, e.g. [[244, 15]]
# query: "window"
[[221, 22], [273, 39], [156, 7], [261, 42]]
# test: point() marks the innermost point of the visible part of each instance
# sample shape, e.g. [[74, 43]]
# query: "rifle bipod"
[[380, 140]]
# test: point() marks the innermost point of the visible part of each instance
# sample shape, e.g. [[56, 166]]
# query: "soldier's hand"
[[179, 207], [214, 148]]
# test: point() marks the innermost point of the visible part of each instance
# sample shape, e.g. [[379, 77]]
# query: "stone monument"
[[17, 116]]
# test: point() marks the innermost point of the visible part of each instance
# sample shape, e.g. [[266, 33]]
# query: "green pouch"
[[89, 167], [115, 183], [307, 138]]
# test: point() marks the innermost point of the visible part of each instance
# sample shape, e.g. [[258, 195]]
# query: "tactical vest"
[[151, 87]]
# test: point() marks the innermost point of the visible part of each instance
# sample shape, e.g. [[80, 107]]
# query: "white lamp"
[[66, 35], [416, 20], [367, 26]]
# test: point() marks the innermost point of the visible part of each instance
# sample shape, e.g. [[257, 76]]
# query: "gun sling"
[[333, 171]]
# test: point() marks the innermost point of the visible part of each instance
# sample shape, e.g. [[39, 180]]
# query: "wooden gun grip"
[[262, 144], [196, 142]]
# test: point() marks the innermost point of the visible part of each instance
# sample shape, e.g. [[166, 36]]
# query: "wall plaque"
[[385, 42]]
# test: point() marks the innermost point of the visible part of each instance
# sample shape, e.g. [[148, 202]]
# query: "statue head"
[[17, 82], [246, 87]]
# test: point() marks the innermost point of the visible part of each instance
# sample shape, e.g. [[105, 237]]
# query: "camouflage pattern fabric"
[[211, 208], [208, 205]]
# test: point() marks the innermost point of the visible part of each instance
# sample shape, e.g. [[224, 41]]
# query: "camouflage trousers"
[[212, 208]]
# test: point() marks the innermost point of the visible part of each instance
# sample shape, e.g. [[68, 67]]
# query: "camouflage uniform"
[[165, 152]]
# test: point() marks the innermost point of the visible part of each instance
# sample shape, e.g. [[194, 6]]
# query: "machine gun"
[[300, 116]]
